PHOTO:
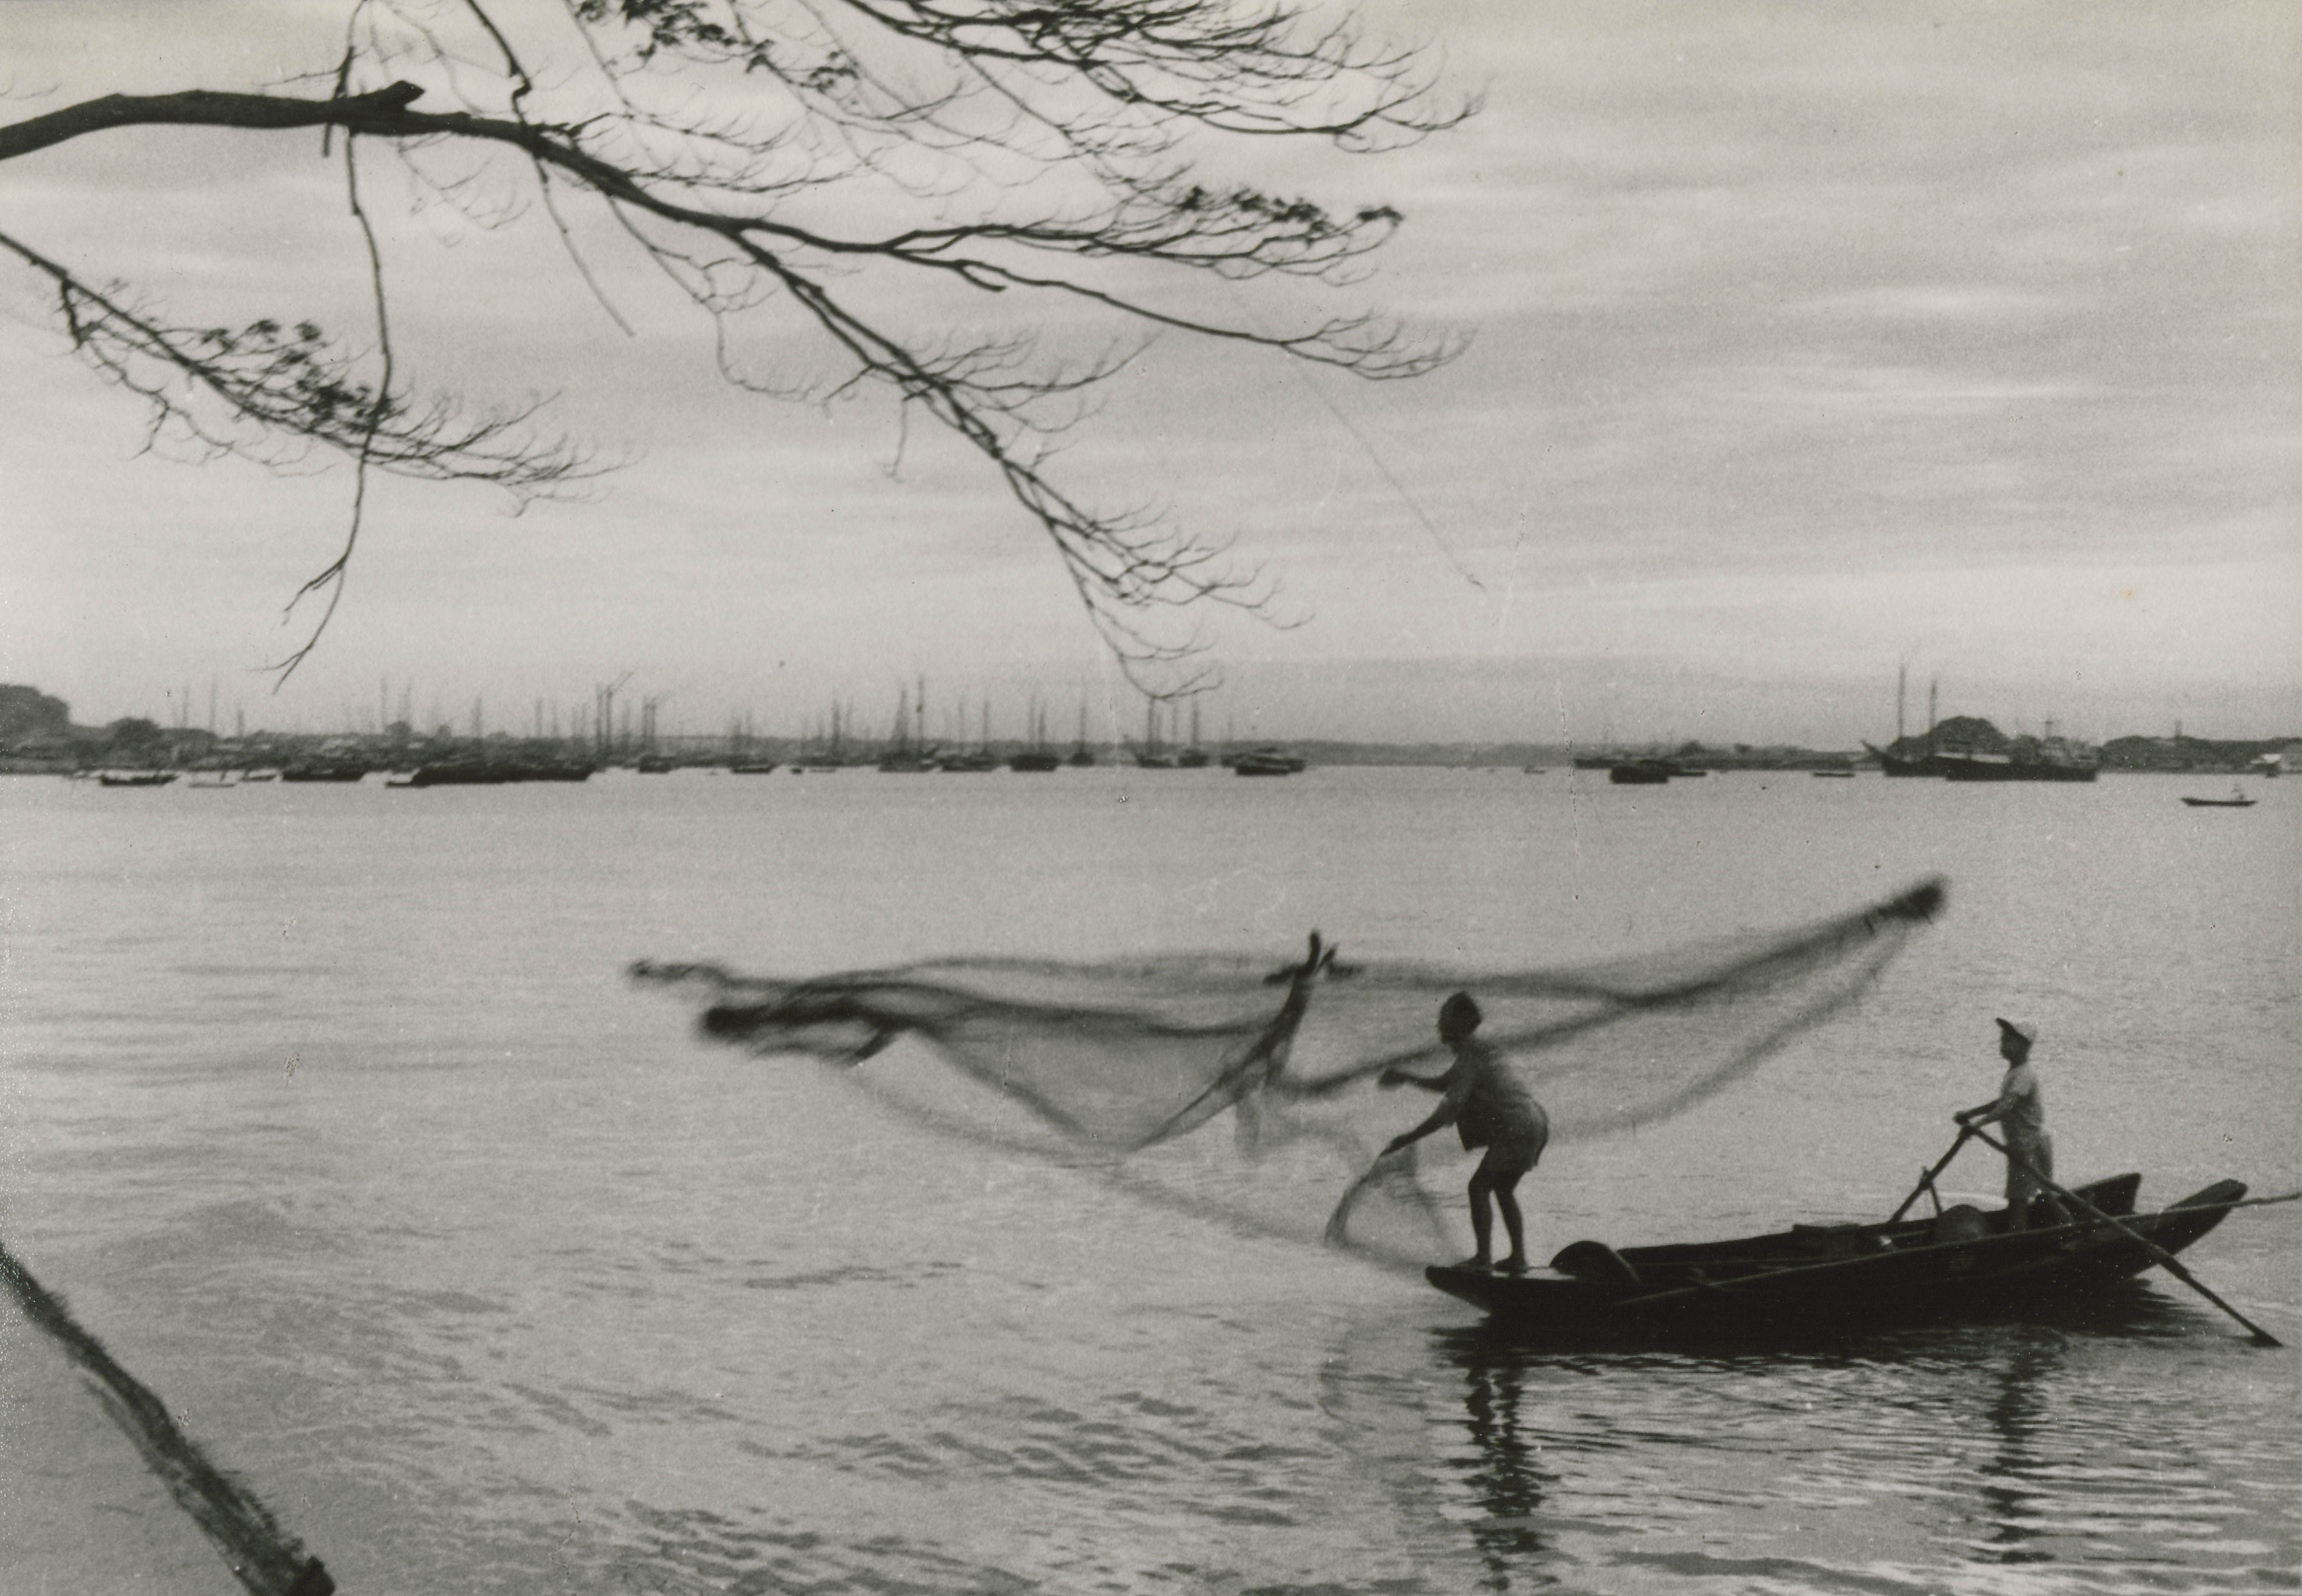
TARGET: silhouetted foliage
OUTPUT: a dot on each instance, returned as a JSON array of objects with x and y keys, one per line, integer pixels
[{"x": 28, "y": 712}]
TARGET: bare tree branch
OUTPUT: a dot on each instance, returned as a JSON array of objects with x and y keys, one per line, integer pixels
[{"x": 784, "y": 157}]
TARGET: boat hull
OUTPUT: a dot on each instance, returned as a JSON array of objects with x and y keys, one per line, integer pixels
[
  {"x": 1264, "y": 762},
  {"x": 2010, "y": 769},
  {"x": 1924, "y": 1270}
]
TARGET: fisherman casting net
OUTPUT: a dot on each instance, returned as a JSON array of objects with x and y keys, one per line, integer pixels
[{"x": 1128, "y": 1066}]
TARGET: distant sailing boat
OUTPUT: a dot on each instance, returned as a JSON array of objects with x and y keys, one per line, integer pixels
[
  {"x": 1082, "y": 756},
  {"x": 1148, "y": 756},
  {"x": 1193, "y": 758},
  {"x": 1039, "y": 756},
  {"x": 1898, "y": 760},
  {"x": 828, "y": 754},
  {"x": 970, "y": 761},
  {"x": 906, "y": 754}
]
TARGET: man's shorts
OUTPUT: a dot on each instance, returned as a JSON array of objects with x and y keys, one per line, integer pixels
[
  {"x": 2021, "y": 1184},
  {"x": 1516, "y": 1154}
]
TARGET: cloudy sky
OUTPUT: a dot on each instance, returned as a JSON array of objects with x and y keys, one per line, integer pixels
[{"x": 1807, "y": 342}]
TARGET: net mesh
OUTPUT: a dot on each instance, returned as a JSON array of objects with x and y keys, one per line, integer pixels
[{"x": 1124, "y": 1066}]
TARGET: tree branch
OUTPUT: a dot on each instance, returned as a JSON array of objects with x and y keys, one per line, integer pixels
[
  {"x": 1054, "y": 125},
  {"x": 203, "y": 107}
]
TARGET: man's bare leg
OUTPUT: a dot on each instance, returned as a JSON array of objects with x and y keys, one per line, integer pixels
[
  {"x": 1483, "y": 1226},
  {"x": 1507, "y": 1199}
]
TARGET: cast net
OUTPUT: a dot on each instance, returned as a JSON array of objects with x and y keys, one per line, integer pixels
[{"x": 1129, "y": 1067}]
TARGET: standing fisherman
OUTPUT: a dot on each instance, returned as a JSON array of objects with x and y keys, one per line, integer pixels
[
  {"x": 2022, "y": 1110},
  {"x": 1492, "y": 1109}
]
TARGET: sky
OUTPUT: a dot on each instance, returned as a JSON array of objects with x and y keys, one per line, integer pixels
[{"x": 1808, "y": 344}]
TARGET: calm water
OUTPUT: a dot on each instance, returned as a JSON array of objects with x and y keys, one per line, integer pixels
[{"x": 329, "y": 1110}]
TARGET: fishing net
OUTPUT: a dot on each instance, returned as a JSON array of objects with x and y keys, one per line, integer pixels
[{"x": 1126, "y": 1066}]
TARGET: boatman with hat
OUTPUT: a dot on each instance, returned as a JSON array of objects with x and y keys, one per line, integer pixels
[{"x": 2019, "y": 1111}]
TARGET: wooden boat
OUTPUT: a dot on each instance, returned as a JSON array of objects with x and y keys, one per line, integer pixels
[
  {"x": 153, "y": 778},
  {"x": 1639, "y": 773},
  {"x": 1938, "y": 1267},
  {"x": 2237, "y": 800}
]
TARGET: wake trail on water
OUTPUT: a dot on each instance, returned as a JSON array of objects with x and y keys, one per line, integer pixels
[{"x": 1123, "y": 1067}]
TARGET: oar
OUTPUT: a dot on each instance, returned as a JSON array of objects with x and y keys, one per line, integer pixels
[
  {"x": 2262, "y": 1337},
  {"x": 1927, "y": 1180}
]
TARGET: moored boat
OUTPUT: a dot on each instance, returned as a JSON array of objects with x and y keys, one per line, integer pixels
[
  {"x": 1192, "y": 756},
  {"x": 1639, "y": 773},
  {"x": 1899, "y": 758},
  {"x": 1960, "y": 1261},
  {"x": 454, "y": 773},
  {"x": 1266, "y": 762},
  {"x": 147, "y": 778},
  {"x": 2237, "y": 800},
  {"x": 1040, "y": 757}
]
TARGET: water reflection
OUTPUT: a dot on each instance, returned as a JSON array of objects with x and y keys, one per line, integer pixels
[
  {"x": 2013, "y": 1473},
  {"x": 1503, "y": 1471},
  {"x": 1929, "y": 1449}
]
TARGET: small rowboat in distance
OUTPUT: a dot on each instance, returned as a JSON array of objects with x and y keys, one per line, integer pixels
[
  {"x": 2237, "y": 800},
  {"x": 1960, "y": 1262}
]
